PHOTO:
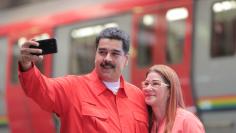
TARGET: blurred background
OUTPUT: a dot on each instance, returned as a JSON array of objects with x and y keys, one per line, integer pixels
[{"x": 197, "y": 38}]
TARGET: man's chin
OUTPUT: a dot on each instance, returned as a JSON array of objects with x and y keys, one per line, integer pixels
[
  {"x": 106, "y": 77},
  {"x": 106, "y": 70}
]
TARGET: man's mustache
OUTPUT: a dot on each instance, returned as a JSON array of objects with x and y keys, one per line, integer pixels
[{"x": 106, "y": 64}]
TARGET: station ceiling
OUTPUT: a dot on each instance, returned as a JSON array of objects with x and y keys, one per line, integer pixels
[{"x": 6, "y": 4}]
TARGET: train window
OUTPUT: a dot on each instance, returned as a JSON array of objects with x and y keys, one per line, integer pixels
[
  {"x": 176, "y": 25},
  {"x": 146, "y": 39},
  {"x": 14, "y": 65},
  {"x": 223, "y": 41},
  {"x": 82, "y": 51},
  {"x": 82, "y": 55},
  {"x": 3, "y": 62}
]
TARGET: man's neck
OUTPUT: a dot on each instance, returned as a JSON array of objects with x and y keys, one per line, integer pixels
[{"x": 113, "y": 86}]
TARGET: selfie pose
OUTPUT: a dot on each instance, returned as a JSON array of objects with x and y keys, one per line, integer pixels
[
  {"x": 98, "y": 102},
  {"x": 164, "y": 98}
]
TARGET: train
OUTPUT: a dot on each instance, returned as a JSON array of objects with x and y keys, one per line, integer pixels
[{"x": 197, "y": 38}]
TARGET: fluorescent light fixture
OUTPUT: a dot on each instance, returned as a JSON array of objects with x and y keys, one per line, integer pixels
[
  {"x": 21, "y": 41},
  {"x": 177, "y": 14},
  {"x": 91, "y": 30},
  {"x": 148, "y": 20},
  {"x": 224, "y": 6}
]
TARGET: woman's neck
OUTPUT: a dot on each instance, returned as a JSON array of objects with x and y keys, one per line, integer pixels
[{"x": 159, "y": 112}]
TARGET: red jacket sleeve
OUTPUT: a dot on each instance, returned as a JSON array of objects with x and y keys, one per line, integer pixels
[{"x": 50, "y": 94}]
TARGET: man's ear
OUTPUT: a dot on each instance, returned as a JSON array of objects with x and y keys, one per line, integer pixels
[{"x": 127, "y": 60}]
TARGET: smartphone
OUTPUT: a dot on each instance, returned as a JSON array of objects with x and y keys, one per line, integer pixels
[{"x": 48, "y": 46}]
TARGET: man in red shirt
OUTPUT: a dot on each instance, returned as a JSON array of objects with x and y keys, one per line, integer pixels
[{"x": 99, "y": 102}]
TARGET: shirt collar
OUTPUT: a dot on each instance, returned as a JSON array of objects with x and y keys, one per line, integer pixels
[{"x": 99, "y": 86}]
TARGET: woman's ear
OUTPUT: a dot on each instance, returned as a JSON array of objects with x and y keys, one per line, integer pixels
[{"x": 168, "y": 93}]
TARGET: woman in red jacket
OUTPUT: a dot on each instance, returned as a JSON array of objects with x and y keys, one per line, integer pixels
[{"x": 164, "y": 98}]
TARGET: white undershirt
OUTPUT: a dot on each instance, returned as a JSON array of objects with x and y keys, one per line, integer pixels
[{"x": 113, "y": 86}]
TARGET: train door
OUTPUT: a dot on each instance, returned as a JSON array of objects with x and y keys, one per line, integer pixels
[
  {"x": 25, "y": 116},
  {"x": 76, "y": 44},
  {"x": 162, "y": 35},
  {"x": 4, "y": 127},
  {"x": 214, "y": 63}
]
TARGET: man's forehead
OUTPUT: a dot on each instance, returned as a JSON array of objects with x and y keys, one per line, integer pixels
[
  {"x": 110, "y": 44},
  {"x": 110, "y": 41}
]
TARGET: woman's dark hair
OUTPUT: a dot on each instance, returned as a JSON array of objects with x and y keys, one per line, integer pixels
[{"x": 150, "y": 118}]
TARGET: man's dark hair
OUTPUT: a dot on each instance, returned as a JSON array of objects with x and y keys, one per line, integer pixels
[{"x": 117, "y": 34}]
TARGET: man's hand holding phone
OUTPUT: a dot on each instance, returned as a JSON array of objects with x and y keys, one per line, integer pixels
[{"x": 33, "y": 51}]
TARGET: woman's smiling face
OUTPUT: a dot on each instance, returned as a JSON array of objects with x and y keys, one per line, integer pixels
[{"x": 155, "y": 89}]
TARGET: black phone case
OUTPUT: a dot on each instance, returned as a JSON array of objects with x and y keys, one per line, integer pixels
[{"x": 48, "y": 46}]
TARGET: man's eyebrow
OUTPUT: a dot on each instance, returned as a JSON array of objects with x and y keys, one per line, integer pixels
[
  {"x": 115, "y": 50},
  {"x": 102, "y": 49}
]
